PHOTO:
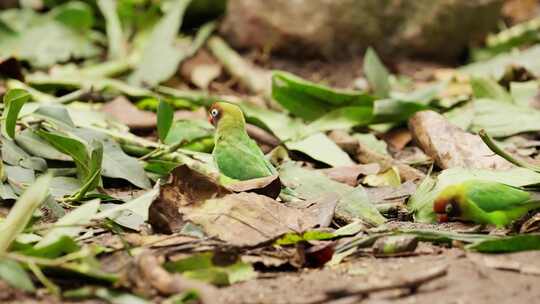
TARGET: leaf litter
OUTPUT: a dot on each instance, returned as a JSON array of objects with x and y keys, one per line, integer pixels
[{"x": 358, "y": 170}]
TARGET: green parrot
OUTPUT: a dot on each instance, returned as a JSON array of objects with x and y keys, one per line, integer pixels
[
  {"x": 484, "y": 202},
  {"x": 236, "y": 155}
]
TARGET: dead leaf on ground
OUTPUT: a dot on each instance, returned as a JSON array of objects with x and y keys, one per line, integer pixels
[
  {"x": 201, "y": 69},
  {"x": 187, "y": 187},
  {"x": 148, "y": 277},
  {"x": 365, "y": 155},
  {"x": 127, "y": 113},
  {"x": 398, "y": 138},
  {"x": 248, "y": 219},
  {"x": 269, "y": 186},
  {"x": 450, "y": 146},
  {"x": 349, "y": 174},
  {"x": 389, "y": 194}
]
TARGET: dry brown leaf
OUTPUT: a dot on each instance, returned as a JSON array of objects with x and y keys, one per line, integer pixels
[
  {"x": 398, "y": 138},
  {"x": 187, "y": 187},
  {"x": 147, "y": 276},
  {"x": 201, "y": 69},
  {"x": 349, "y": 174},
  {"x": 248, "y": 219},
  {"x": 450, "y": 146},
  {"x": 127, "y": 113}
]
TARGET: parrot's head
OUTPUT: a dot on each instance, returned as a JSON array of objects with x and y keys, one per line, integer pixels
[
  {"x": 228, "y": 113},
  {"x": 447, "y": 205}
]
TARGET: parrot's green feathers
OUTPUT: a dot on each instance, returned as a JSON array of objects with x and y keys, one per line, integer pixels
[
  {"x": 484, "y": 202},
  {"x": 236, "y": 155},
  {"x": 492, "y": 196}
]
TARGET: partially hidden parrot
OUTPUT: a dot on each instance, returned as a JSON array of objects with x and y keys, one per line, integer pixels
[
  {"x": 236, "y": 155},
  {"x": 484, "y": 202}
]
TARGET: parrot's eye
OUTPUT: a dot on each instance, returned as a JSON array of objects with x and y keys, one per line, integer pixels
[
  {"x": 449, "y": 208},
  {"x": 214, "y": 112}
]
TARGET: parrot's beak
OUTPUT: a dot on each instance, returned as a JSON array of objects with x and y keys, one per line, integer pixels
[
  {"x": 442, "y": 218},
  {"x": 211, "y": 120}
]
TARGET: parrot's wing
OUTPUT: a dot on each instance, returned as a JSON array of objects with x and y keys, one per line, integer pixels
[
  {"x": 491, "y": 196},
  {"x": 253, "y": 146},
  {"x": 240, "y": 161}
]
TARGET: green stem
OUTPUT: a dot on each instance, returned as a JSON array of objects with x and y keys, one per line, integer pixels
[{"x": 502, "y": 153}]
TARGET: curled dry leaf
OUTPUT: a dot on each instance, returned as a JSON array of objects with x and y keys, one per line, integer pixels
[
  {"x": 450, "y": 146},
  {"x": 349, "y": 174}
]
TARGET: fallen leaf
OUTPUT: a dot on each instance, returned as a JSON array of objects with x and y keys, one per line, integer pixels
[
  {"x": 201, "y": 69},
  {"x": 127, "y": 113},
  {"x": 187, "y": 187},
  {"x": 450, "y": 146},
  {"x": 247, "y": 219},
  {"x": 331, "y": 154},
  {"x": 350, "y": 174}
]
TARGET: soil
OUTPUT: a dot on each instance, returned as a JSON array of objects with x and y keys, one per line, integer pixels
[{"x": 467, "y": 281}]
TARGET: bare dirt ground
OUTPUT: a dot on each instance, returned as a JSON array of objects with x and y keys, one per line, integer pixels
[{"x": 468, "y": 280}]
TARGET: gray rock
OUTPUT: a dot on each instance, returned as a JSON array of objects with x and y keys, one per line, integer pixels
[{"x": 438, "y": 29}]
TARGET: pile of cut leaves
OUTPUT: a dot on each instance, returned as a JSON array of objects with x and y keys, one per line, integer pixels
[{"x": 109, "y": 189}]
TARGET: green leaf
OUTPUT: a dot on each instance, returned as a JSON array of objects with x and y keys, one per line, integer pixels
[
  {"x": 70, "y": 146},
  {"x": 523, "y": 93},
  {"x": 161, "y": 55},
  {"x": 14, "y": 274},
  {"x": 14, "y": 100},
  {"x": 22, "y": 211},
  {"x": 311, "y": 185},
  {"x": 76, "y": 219},
  {"x": 93, "y": 178},
  {"x": 19, "y": 178},
  {"x": 116, "y": 163},
  {"x": 116, "y": 40},
  {"x": 497, "y": 66},
  {"x": 376, "y": 74},
  {"x": 309, "y": 100},
  {"x": 501, "y": 119},
  {"x": 280, "y": 124},
  {"x": 75, "y": 15},
  {"x": 15, "y": 156},
  {"x": 165, "y": 116},
  {"x": 490, "y": 89},
  {"x": 507, "y": 244},
  {"x": 133, "y": 213},
  {"x": 187, "y": 131},
  {"x": 313, "y": 235},
  {"x": 42, "y": 40},
  {"x": 201, "y": 267},
  {"x": 319, "y": 147},
  {"x": 29, "y": 141},
  {"x": 395, "y": 111},
  {"x": 106, "y": 294},
  {"x": 60, "y": 246},
  {"x": 343, "y": 118}
]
